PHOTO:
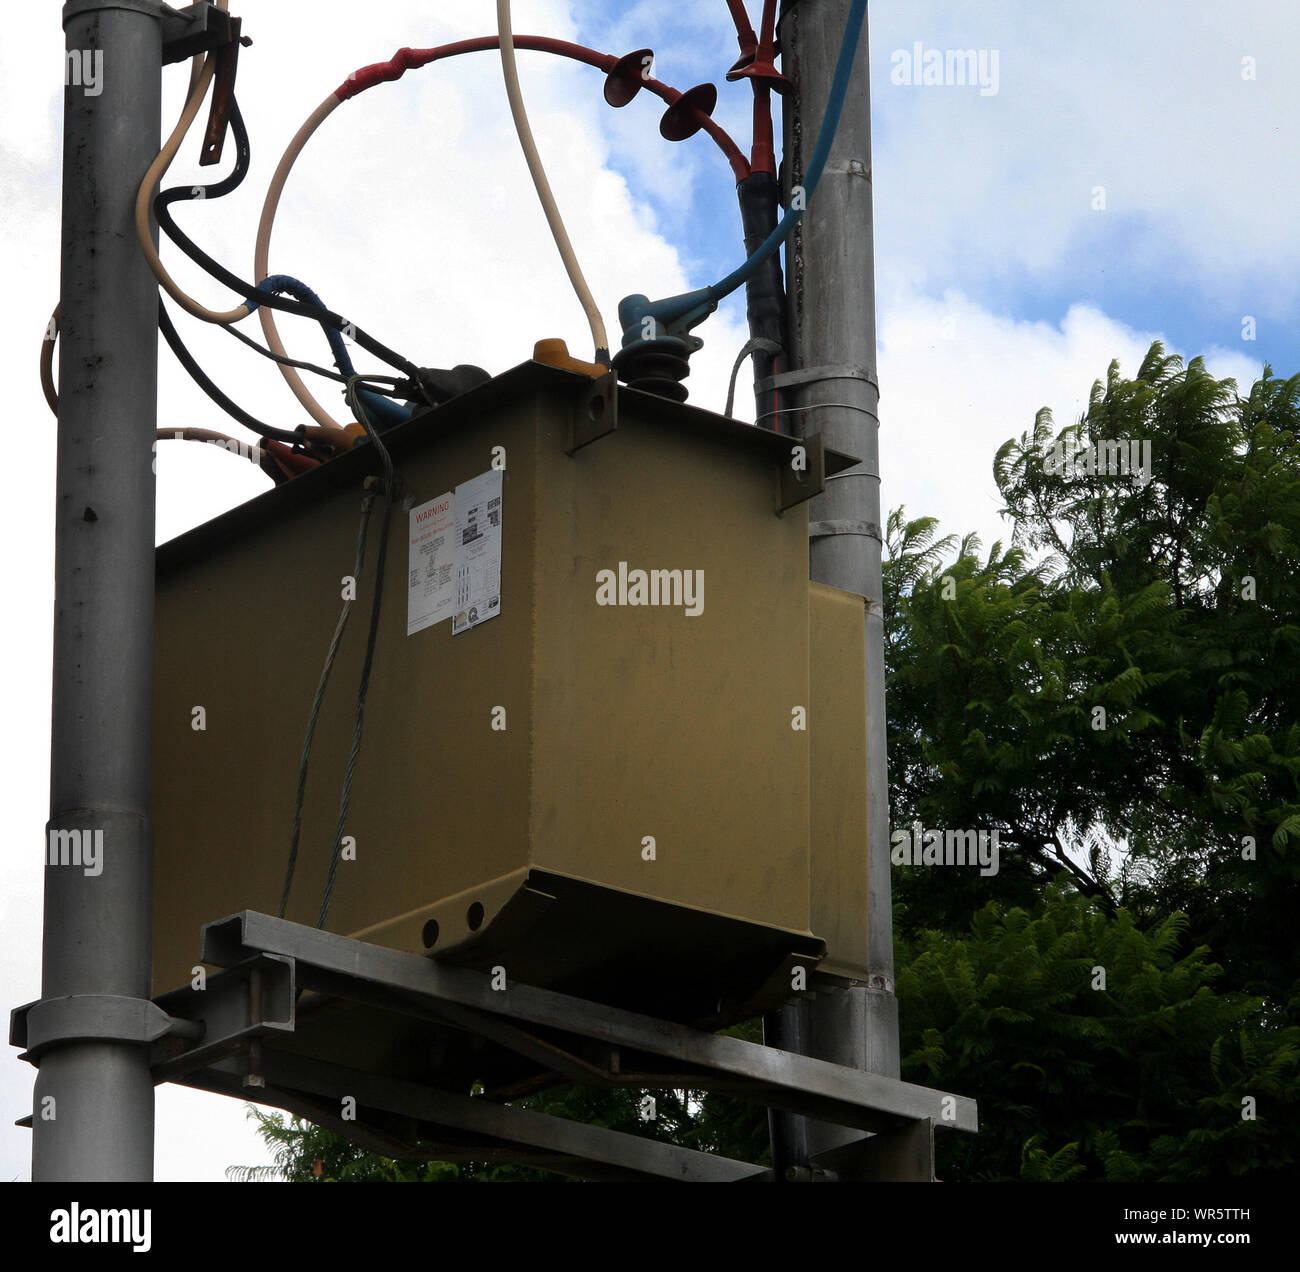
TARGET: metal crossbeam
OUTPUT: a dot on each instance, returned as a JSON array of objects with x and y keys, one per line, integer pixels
[
  {"x": 551, "y": 1143},
  {"x": 373, "y": 974}
]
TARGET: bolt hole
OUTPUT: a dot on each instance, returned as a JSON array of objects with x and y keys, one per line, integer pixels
[
  {"x": 474, "y": 916},
  {"x": 595, "y": 407},
  {"x": 430, "y": 934}
]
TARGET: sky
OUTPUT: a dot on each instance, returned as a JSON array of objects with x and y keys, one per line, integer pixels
[{"x": 1133, "y": 177}]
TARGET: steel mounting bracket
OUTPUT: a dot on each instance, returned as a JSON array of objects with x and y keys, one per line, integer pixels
[
  {"x": 595, "y": 413},
  {"x": 803, "y": 472}
]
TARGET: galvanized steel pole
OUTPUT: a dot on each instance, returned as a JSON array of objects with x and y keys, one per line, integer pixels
[
  {"x": 831, "y": 286},
  {"x": 93, "y": 1108}
]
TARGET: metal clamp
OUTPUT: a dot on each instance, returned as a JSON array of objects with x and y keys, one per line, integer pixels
[
  {"x": 815, "y": 375},
  {"x": 824, "y": 529},
  {"x": 76, "y": 8},
  {"x": 198, "y": 29},
  {"x": 50, "y": 1022},
  {"x": 185, "y": 32}
]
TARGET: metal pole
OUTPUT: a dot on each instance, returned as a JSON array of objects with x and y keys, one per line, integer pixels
[
  {"x": 93, "y": 1108},
  {"x": 831, "y": 286}
]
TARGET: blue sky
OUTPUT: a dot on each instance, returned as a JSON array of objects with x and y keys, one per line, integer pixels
[{"x": 1000, "y": 288}]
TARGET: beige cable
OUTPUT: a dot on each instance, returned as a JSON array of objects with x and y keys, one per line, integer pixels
[
  {"x": 200, "y": 78},
  {"x": 144, "y": 198},
  {"x": 47, "y": 361},
  {"x": 553, "y": 218},
  {"x": 261, "y": 253}
]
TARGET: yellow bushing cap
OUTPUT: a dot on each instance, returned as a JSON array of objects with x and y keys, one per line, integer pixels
[{"x": 556, "y": 353}]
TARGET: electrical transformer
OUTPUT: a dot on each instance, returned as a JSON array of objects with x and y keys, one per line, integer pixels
[{"x": 613, "y": 742}]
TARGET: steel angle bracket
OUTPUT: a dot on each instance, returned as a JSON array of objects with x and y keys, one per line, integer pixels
[
  {"x": 234, "y": 1009},
  {"x": 803, "y": 472},
  {"x": 196, "y": 29},
  {"x": 185, "y": 32},
  {"x": 595, "y": 413},
  {"x": 799, "y": 1084}
]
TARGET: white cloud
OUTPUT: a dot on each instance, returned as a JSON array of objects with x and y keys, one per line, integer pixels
[
  {"x": 957, "y": 381},
  {"x": 1201, "y": 167}
]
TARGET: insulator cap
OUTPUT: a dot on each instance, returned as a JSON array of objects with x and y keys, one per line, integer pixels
[
  {"x": 628, "y": 76},
  {"x": 684, "y": 118}
]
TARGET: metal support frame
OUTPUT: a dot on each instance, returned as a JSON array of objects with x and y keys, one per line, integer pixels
[{"x": 234, "y": 1051}]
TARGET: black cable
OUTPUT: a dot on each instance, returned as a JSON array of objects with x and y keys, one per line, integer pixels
[
  {"x": 390, "y": 479},
  {"x": 199, "y": 376},
  {"x": 311, "y": 366},
  {"x": 253, "y": 295},
  {"x": 275, "y": 357},
  {"x": 367, "y": 503}
]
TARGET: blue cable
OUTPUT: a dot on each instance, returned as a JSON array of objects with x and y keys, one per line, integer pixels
[{"x": 283, "y": 285}]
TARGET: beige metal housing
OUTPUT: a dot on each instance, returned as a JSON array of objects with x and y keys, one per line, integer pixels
[{"x": 651, "y": 827}]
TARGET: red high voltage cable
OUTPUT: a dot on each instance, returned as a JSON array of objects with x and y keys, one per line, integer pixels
[{"x": 411, "y": 59}]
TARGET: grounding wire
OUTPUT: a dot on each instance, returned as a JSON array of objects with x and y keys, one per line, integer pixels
[
  {"x": 390, "y": 479},
  {"x": 367, "y": 503},
  {"x": 756, "y": 344}
]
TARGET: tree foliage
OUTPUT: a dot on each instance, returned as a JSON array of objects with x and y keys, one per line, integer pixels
[
  {"x": 1173, "y": 605},
  {"x": 1098, "y": 1049}
]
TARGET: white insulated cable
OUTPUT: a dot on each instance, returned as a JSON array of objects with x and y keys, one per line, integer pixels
[{"x": 511, "y": 71}]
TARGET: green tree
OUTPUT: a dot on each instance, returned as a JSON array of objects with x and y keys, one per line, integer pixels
[{"x": 1098, "y": 1050}]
